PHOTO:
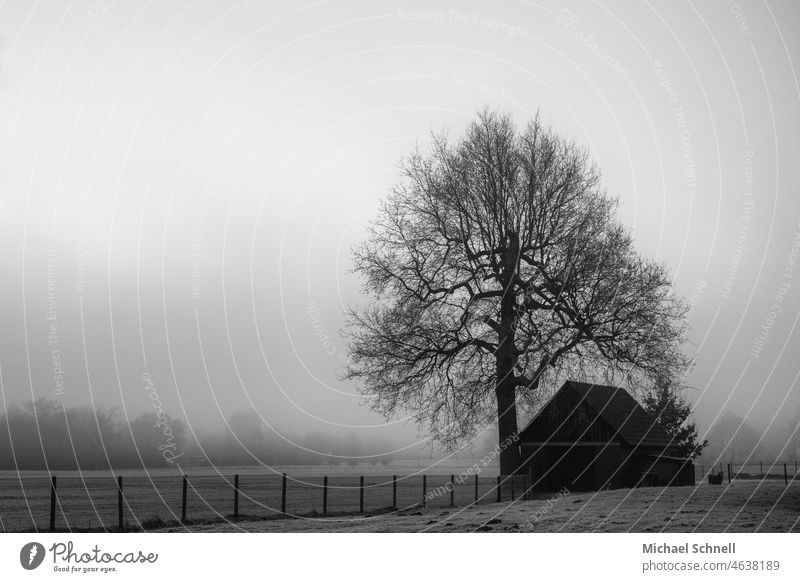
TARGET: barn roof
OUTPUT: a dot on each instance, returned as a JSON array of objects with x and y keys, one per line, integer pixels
[{"x": 631, "y": 423}]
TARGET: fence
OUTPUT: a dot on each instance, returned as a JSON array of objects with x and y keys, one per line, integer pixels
[
  {"x": 68, "y": 502},
  {"x": 144, "y": 502},
  {"x": 763, "y": 470}
]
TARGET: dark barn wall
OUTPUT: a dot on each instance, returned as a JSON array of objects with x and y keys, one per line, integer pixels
[
  {"x": 667, "y": 471},
  {"x": 573, "y": 468},
  {"x": 610, "y": 468},
  {"x": 579, "y": 468},
  {"x": 589, "y": 468},
  {"x": 566, "y": 419},
  {"x": 686, "y": 476},
  {"x": 588, "y": 447},
  {"x": 535, "y": 463},
  {"x": 681, "y": 473}
]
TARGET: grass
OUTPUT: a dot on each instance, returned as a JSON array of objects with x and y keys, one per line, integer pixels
[
  {"x": 90, "y": 503},
  {"x": 153, "y": 503},
  {"x": 744, "y": 506}
]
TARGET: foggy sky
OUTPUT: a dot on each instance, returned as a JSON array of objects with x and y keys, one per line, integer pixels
[{"x": 180, "y": 183}]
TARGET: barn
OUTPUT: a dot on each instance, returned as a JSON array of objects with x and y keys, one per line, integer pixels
[{"x": 589, "y": 437}]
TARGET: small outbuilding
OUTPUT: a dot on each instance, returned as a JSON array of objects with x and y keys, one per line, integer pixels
[{"x": 590, "y": 437}]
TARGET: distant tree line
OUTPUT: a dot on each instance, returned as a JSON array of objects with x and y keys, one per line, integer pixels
[
  {"x": 45, "y": 434},
  {"x": 740, "y": 440},
  {"x": 248, "y": 440}
]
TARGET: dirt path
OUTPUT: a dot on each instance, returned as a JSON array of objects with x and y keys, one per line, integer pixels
[{"x": 740, "y": 507}]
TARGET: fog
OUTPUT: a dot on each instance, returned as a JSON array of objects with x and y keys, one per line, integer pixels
[
  {"x": 46, "y": 435},
  {"x": 180, "y": 185}
]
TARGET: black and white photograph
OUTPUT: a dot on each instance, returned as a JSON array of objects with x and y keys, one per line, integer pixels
[{"x": 449, "y": 267}]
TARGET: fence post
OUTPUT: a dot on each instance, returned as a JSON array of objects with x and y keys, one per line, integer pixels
[
  {"x": 761, "y": 469},
  {"x": 53, "y": 503},
  {"x": 476, "y": 488},
  {"x": 236, "y": 496},
  {"x": 283, "y": 494},
  {"x": 499, "y": 497},
  {"x": 452, "y": 491},
  {"x": 183, "y": 500},
  {"x": 424, "y": 489},
  {"x": 394, "y": 491},
  {"x": 512, "y": 487},
  {"x": 785, "y": 475},
  {"x": 325, "y": 495},
  {"x": 729, "y": 473},
  {"x": 525, "y": 487},
  {"x": 361, "y": 494},
  {"x": 120, "y": 516}
]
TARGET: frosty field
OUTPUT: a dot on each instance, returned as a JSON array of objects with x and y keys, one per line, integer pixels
[
  {"x": 152, "y": 499},
  {"x": 745, "y": 506}
]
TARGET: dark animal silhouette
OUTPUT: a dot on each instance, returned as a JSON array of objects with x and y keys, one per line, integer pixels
[{"x": 715, "y": 478}]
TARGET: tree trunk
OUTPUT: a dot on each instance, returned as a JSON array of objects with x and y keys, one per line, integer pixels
[
  {"x": 506, "y": 381},
  {"x": 507, "y": 428}
]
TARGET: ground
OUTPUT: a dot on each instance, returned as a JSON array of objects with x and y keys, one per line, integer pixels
[{"x": 744, "y": 506}]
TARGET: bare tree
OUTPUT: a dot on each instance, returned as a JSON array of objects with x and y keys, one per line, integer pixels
[{"x": 498, "y": 264}]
